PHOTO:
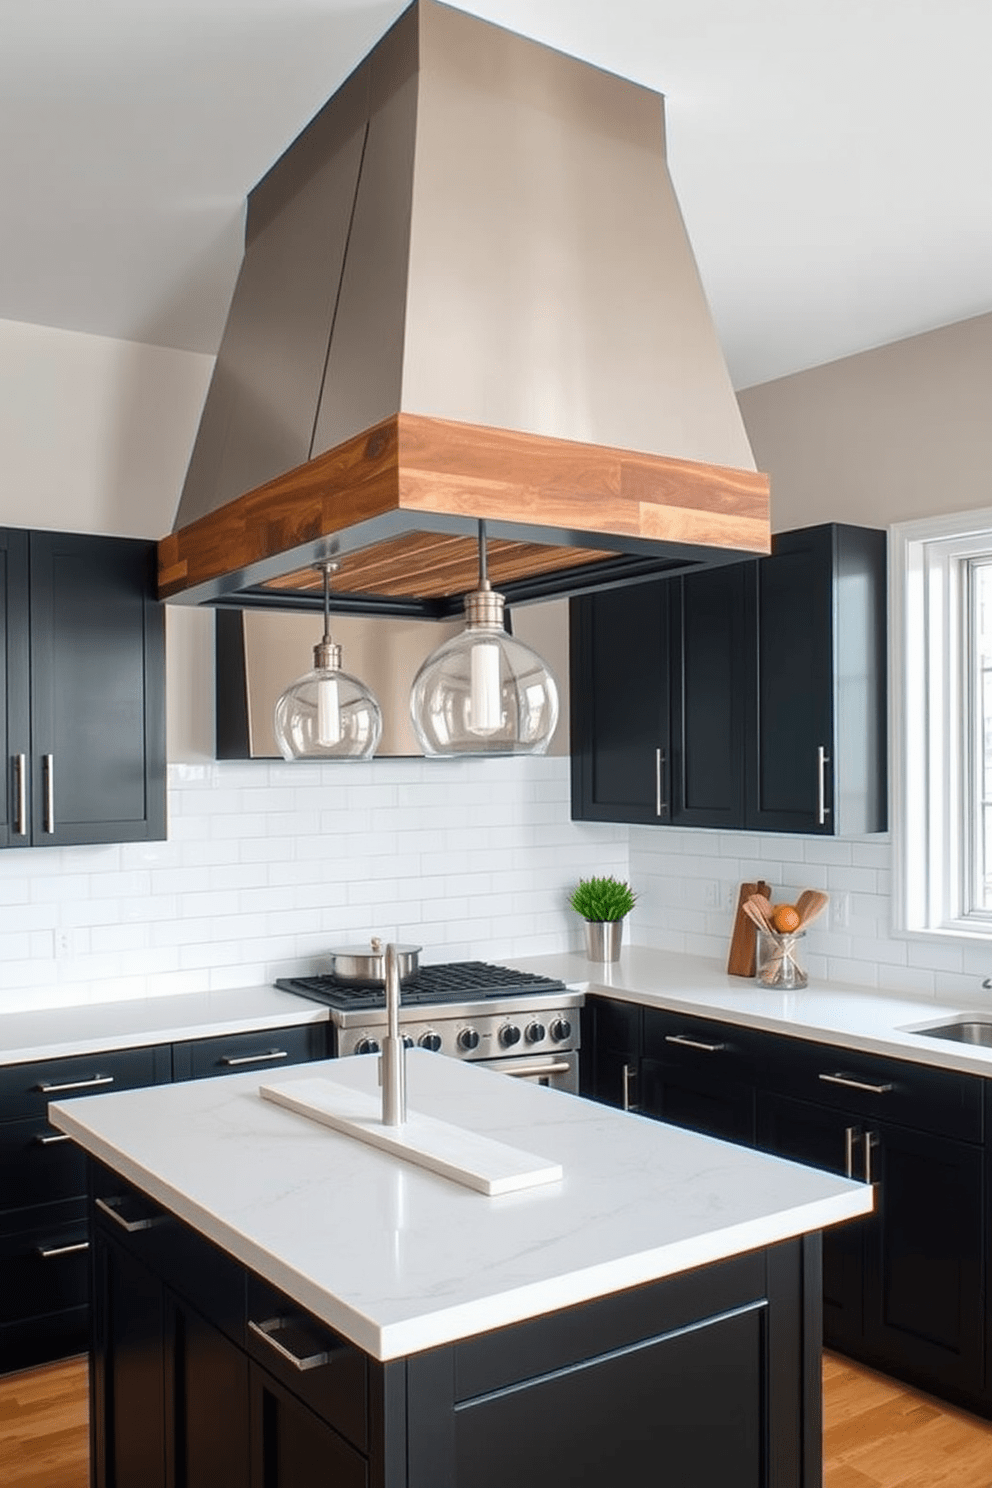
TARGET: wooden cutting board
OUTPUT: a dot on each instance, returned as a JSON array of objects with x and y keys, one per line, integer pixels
[{"x": 744, "y": 941}]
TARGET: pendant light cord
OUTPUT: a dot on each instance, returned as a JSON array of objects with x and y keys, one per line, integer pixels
[{"x": 483, "y": 560}]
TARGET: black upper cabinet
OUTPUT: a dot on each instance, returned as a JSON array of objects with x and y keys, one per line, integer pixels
[
  {"x": 84, "y": 664},
  {"x": 816, "y": 709},
  {"x": 657, "y": 707},
  {"x": 620, "y": 650},
  {"x": 750, "y": 695}
]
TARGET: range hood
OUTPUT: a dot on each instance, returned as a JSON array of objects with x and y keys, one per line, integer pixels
[{"x": 467, "y": 293}]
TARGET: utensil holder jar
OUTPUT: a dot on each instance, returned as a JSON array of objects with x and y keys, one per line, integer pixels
[{"x": 778, "y": 960}]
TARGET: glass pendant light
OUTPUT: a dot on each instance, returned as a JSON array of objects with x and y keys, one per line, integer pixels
[
  {"x": 483, "y": 692},
  {"x": 327, "y": 714}
]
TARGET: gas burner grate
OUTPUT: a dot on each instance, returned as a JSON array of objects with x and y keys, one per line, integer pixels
[{"x": 454, "y": 981}]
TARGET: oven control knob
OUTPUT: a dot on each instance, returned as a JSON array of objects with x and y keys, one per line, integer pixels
[
  {"x": 561, "y": 1029},
  {"x": 367, "y": 1046},
  {"x": 509, "y": 1035},
  {"x": 430, "y": 1041},
  {"x": 534, "y": 1032},
  {"x": 468, "y": 1040},
  {"x": 407, "y": 1041}
]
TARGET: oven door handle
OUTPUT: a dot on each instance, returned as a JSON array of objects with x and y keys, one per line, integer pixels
[{"x": 523, "y": 1071}]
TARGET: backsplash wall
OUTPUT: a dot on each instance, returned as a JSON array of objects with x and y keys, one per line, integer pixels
[
  {"x": 267, "y": 866},
  {"x": 689, "y": 882}
]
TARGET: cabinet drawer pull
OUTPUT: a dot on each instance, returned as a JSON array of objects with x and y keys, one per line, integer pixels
[
  {"x": 629, "y": 1080},
  {"x": 822, "y": 809},
  {"x": 91, "y": 1084},
  {"x": 21, "y": 795},
  {"x": 48, "y": 768},
  {"x": 850, "y": 1084},
  {"x": 52, "y": 1252},
  {"x": 660, "y": 806},
  {"x": 302, "y": 1362},
  {"x": 50, "y": 1139},
  {"x": 231, "y": 1061},
  {"x": 111, "y": 1207},
  {"x": 685, "y": 1042}
]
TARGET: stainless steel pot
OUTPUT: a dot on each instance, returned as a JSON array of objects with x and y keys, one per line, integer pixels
[{"x": 368, "y": 963}]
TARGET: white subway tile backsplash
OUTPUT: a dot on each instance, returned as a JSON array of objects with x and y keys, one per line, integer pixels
[{"x": 269, "y": 866}]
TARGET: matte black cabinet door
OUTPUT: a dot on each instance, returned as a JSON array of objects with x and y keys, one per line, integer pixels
[
  {"x": 816, "y": 727},
  {"x": 709, "y": 679},
  {"x": 832, "y": 1140},
  {"x": 292, "y": 1447},
  {"x": 611, "y": 1052},
  {"x": 14, "y": 688},
  {"x": 924, "y": 1309},
  {"x": 210, "y": 1439},
  {"x": 620, "y": 704},
  {"x": 97, "y": 691},
  {"x": 128, "y": 1371},
  {"x": 685, "y": 1409}
]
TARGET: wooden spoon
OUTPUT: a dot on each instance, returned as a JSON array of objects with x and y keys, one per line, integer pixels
[
  {"x": 762, "y": 906},
  {"x": 810, "y": 904},
  {"x": 754, "y": 914}
]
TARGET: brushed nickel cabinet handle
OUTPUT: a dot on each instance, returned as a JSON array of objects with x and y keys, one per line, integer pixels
[
  {"x": 232, "y": 1061},
  {"x": 660, "y": 806},
  {"x": 629, "y": 1081},
  {"x": 21, "y": 795},
  {"x": 851, "y": 1134},
  {"x": 871, "y": 1140},
  {"x": 302, "y": 1362},
  {"x": 48, "y": 766},
  {"x": 111, "y": 1207},
  {"x": 50, "y": 1140},
  {"x": 864, "y": 1085},
  {"x": 822, "y": 809},
  {"x": 91, "y": 1084},
  {"x": 685, "y": 1042},
  {"x": 50, "y": 1252}
]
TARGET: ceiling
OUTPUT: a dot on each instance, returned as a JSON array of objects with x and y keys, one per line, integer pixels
[{"x": 831, "y": 156}]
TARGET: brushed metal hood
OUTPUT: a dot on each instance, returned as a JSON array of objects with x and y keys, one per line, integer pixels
[{"x": 467, "y": 293}]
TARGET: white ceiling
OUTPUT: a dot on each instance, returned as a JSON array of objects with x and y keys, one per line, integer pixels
[{"x": 833, "y": 158}]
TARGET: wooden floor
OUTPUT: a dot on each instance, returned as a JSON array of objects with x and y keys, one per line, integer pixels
[{"x": 877, "y": 1433}]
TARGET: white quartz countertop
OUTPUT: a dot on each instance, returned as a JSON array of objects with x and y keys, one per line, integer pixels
[
  {"x": 398, "y": 1259},
  {"x": 51, "y": 1033},
  {"x": 829, "y": 1012}
]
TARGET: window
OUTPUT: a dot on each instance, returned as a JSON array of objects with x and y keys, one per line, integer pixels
[{"x": 942, "y": 698}]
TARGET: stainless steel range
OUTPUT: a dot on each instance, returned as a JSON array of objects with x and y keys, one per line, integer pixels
[{"x": 519, "y": 1023}]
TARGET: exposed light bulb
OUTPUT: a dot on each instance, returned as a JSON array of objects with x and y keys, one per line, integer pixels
[
  {"x": 485, "y": 711},
  {"x": 328, "y": 712}
]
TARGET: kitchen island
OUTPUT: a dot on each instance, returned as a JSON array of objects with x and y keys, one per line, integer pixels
[{"x": 657, "y": 1308}]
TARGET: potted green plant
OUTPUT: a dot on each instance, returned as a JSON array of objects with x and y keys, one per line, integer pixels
[{"x": 603, "y": 903}]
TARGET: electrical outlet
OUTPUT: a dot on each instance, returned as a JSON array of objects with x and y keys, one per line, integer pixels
[
  {"x": 711, "y": 894},
  {"x": 840, "y": 911},
  {"x": 63, "y": 943}
]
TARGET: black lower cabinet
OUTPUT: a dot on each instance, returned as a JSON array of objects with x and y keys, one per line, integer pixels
[
  {"x": 205, "y": 1377},
  {"x": 903, "y": 1288}
]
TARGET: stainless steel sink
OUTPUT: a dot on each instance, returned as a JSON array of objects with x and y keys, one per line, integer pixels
[{"x": 972, "y": 1031}]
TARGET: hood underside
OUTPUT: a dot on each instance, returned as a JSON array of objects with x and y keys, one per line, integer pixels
[{"x": 467, "y": 293}]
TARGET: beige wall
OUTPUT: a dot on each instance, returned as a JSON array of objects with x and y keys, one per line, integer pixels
[
  {"x": 900, "y": 432},
  {"x": 95, "y": 436}
]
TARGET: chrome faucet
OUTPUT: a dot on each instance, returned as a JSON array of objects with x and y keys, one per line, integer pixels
[{"x": 393, "y": 1065}]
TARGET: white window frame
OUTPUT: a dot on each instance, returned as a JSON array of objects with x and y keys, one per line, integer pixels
[{"x": 931, "y": 756}]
